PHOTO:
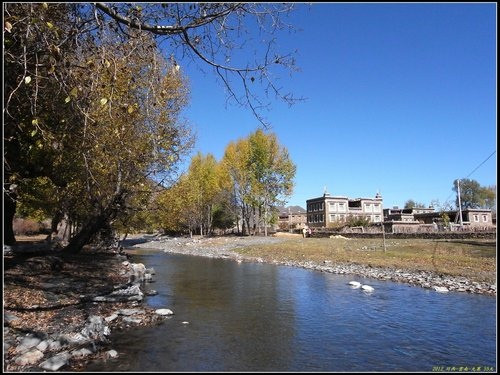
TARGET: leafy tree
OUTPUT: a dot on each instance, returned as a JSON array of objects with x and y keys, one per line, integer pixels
[
  {"x": 198, "y": 196},
  {"x": 72, "y": 103},
  {"x": 490, "y": 197},
  {"x": 446, "y": 219},
  {"x": 132, "y": 133},
  {"x": 38, "y": 199},
  {"x": 234, "y": 162},
  {"x": 473, "y": 195},
  {"x": 261, "y": 173},
  {"x": 272, "y": 171},
  {"x": 356, "y": 221},
  {"x": 174, "y": 208},
  {"x": 223, "y": 216},
  {"x": 204, "y": 181},
  {"x": 38, "y": 45},
  {"x": 113, "y": 123}
]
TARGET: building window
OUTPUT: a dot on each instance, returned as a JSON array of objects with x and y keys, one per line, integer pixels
[
  {"x": 341, "y": 207},
  {"x": 485, "y": 218},
  {"x": 476, "y": 218}
]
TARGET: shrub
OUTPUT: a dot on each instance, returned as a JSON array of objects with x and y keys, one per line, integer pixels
[{"x": 28, "y": 227}]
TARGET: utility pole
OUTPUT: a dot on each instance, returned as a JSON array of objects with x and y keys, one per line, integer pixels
[{"x": 459, "y": 203}]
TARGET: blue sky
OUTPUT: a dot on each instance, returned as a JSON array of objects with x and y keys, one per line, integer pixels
[{"x": 401, "y": 100}]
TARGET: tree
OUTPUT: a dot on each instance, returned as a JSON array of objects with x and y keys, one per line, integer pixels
[
  {"x": 234, "y": 162},
  {"x": 261, "y": 173},
  {"x": 272, "y": 171},
  {"x": 111, "y": 122},
  {"x": 66, "y": 82},
  {"x": 490, "y": 197},
  {"x": 38, "y": 41},
  {"x": 132, "y": 132},
  {"x": 473, "y": 195},
  {"x": 203, "y": 177},
  {"x": 410, "y": 203},
  {"x": 197, "y": 199}
]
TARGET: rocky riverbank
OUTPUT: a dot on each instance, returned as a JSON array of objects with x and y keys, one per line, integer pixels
[
  {"x": 58, "y": 312},
  {"x": 223, "y": 247}
]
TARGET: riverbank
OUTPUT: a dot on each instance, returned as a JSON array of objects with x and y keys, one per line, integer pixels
[
  {"x": 59, "y": 310},
  {"x": 442, "y": 265}
]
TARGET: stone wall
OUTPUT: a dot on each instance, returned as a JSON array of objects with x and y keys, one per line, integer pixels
[{"x": 433, "y": 235}]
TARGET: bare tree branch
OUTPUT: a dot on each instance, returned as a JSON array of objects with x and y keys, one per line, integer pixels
[{"x": 214, "y": 33}]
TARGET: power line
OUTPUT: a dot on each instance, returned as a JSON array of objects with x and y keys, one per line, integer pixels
[
  {"x": 485, "y": 160},
  {"x": 475, "y": 169}
]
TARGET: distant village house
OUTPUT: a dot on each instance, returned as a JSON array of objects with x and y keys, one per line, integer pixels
[
  {"x": 292, "y": 218},
  {"x": 327, "y": 210}
]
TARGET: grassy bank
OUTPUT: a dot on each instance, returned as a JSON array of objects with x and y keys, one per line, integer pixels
[{"x": 474, "y": 259}]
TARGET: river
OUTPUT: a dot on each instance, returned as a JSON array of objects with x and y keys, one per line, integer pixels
[{"x": 239, "y": 317}]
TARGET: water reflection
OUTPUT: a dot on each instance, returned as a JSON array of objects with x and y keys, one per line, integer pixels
[{"x": 260, "y": 317}]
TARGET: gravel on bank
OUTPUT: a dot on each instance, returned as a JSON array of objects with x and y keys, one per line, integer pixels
[
  {"x": 224, "y": 247},
  {"x": 59, "y": 311}
]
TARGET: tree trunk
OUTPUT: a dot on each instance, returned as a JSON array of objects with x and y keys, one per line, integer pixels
[
  {"x": 85, "y": 235},
  {"x": 9, "y": 211}
]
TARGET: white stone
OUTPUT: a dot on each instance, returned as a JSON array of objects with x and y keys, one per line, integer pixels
[
  {"x": 367, "y": 288},
  {"x": 441, "y": 289},
  {"x": 27, "y": 343},
  {"x": 56, "y": 362},
  {"x": 164, "y": 312},
  {"x": 355, "y": 284},
  {"x": 30, "y": 357},
  {"x": 43, "y": 345},
  {"x": 111, "y": 318},
  {"x": 112, "y": 353},
  {"x": 83, "y": 352}
]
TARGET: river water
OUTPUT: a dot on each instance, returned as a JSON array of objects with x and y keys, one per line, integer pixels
[{"x": 231, "y": 316}]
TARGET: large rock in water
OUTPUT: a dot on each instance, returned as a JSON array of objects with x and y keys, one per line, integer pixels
[
  {"x": 136, "y": 272},
  {"x": 132, "y": 293}
]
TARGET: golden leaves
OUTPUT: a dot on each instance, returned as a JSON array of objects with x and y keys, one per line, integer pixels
[{"x": 7, "y": 26}]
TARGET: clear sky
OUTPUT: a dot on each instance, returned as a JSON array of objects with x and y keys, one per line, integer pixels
[{"x": 401, "y": 100}]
